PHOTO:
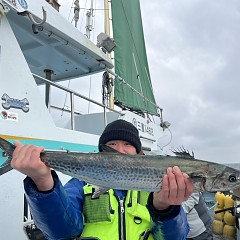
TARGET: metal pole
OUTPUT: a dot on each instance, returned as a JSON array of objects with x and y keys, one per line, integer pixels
[
  {"x": 72, "y": 111},
  {"x": 48, "y": 87},
  {"x": 89, "y": 20},
  {"x": 106, "y": 18},
  {"x": 107, "y": 31},
  {"x": 76, "y": 12}
]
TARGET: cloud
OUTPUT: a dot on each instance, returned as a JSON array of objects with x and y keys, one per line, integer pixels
[{"x": 193, "y": 53}]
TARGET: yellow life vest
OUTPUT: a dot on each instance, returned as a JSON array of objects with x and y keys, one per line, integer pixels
[{"x": 107, "y": 217}]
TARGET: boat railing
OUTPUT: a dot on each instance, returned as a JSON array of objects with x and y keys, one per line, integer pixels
[{"x": 73, "y": 94}]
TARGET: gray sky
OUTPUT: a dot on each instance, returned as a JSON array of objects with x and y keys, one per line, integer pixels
[
  {"x": 193, "y": 54},
  {"x": 193, "y": 51}
]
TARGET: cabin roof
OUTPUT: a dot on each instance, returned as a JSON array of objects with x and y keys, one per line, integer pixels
[{"x": 56, "y": 46}]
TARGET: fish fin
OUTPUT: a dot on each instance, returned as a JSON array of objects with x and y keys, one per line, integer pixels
[
  {"x": 99, "y": 191},
  {"x": 7, "y": 152},
  {"x": 108, "y": 149},
  {"x": 182, "y": 152}
]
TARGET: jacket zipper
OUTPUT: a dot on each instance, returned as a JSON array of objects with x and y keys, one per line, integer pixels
[{"x": 122, "y": 227}]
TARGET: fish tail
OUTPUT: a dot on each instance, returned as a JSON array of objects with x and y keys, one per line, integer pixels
[{"x": 6, "y": 156}]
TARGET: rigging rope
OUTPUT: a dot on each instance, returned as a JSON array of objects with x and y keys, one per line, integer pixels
[
  {"x": 70, "y": 10},
  {"x": 133, "y": 89}
]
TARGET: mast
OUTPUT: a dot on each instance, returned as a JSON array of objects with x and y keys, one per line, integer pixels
[
  {"x": 89, "y": 20},
  {"x": 107, "y": 32},
  {"x": 106, "y": 18}
]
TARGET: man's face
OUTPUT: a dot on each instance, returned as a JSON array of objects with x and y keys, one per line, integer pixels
[{"x": 122, "y": 147}]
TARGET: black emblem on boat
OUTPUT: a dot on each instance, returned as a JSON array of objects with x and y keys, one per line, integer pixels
[{"x": 15, "y": 103}]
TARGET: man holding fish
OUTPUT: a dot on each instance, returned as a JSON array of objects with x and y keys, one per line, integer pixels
[{"x": 72, "y": 211}]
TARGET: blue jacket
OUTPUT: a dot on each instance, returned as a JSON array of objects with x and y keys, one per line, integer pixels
[{"x": 58, "y": 213}]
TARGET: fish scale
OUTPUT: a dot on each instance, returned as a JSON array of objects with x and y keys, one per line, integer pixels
[{"x": 132, "y": 172}]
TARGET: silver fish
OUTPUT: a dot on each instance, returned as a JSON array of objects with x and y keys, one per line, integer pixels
[{"x": 132, "y": 172}]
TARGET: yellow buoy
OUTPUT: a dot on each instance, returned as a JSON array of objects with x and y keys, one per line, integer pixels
[
  {"x": 228, "y": 201},
  {"x": 219, "y": 216},
  {"x": 218, "y": 227},
  {"x": 229, "y": 218},
  {"x": 219, "y": 197},
  {"x": 229, "y": 231}
]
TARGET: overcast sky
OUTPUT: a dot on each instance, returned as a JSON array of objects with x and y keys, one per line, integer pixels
[{"x": 193, "y": 49}]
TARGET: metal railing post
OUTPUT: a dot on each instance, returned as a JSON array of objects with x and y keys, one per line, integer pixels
[{"x": 72, "y": 111}]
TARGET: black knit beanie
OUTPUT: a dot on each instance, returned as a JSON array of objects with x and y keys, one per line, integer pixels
[{"x": 120, "y": 130}]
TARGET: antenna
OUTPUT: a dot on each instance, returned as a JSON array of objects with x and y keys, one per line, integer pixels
[{"x": 164, "y": 124}]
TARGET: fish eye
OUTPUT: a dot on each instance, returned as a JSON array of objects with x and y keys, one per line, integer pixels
[{"x": 232, "y": 178}]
